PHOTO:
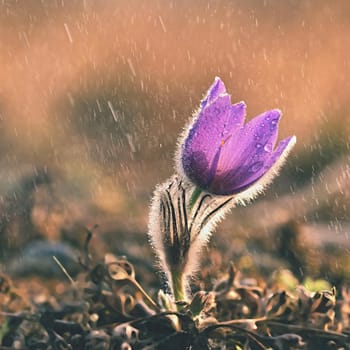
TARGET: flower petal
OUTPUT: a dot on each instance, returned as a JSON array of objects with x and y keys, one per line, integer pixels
[
  {"x": 221, "y": 155},
  {"x": 263, "y": 129},
  {"x": 252, "y": 144},
  {"x": 216, "y": 89},
  {"x": 215, "y": 123},
  {"x": 234, "y": 182}
]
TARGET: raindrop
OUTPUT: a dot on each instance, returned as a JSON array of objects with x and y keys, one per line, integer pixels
[
  {"x": 162, "y": 23},
  {"x": 268, "y": 147},
  {"x": 131, "y": 66},
  {"x": 256, "y": 136},
  {"x": 273, "y": 124},
  {"x": 69, "y": 35},
  {"x": 114, "y": 113},
  {"x": 255, "y": 167},
  {"x": 131, "y": 142}
]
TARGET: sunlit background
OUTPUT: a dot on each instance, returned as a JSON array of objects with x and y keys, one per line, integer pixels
[{"x": 96, "y": 92}]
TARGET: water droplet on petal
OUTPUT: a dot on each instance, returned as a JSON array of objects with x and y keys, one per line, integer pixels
[
  {"x": 268, "y": 147},
  {"x": 273, "y": 124},
  {"x": 255, "y": 167},
  {"x": 257, "y": 136}
]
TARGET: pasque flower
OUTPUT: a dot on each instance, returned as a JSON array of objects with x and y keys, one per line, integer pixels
[
  {"x": 222, "y": 155},
  {"x": 220, "y": 161}
]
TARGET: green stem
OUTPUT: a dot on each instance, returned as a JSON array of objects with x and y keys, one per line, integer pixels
[
  {"x": 195, "y": 195},
  {"x": 178, "y": 285}
]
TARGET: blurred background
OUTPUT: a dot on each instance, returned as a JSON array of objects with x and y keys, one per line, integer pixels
[{"x": 94, "y": 94}]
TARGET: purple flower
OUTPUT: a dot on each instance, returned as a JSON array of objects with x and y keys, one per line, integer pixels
[{"x": 224, "y": 156}]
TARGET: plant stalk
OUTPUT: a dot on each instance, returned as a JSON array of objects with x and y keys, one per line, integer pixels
[{"x": 179, "y": 285}]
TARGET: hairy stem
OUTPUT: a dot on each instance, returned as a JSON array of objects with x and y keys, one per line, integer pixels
[{"x": 179, "y": 285}]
